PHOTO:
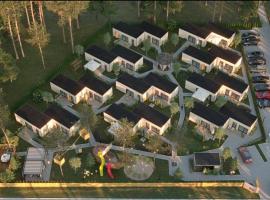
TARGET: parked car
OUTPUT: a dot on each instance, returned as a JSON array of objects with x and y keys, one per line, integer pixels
[
  {"x": 250, "y": 43},
  {"x": 263, "y": 95},
  {"x": 250, "y": 34},
  {"x": 245, "y": 155},
  {"x": 258, "y": 67},
  {"x": 256, "y": 70},
  {"x": 256, "y": 61},
  {"x": 255, "y": 54},
  {"x": 254, "y": 74},
  {"x": 251, "y": 38},
  {"x": 260, "y": 79},
  {"x": 263, "y": 103},
  {"x": 262, "y": 87},
  {"x": 259, "y": 59}
]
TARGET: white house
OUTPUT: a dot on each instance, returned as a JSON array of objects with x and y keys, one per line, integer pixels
[
  {"x": 136, "y": 34},
  {"x": 207, "y": 117},
  {"x": 151, "y": 86},
  {"x": 33, "y": 119},
  {"x": 201, "y": 60},
  {"x": 200, "y": 35},
  {"x": 143, "y": 117},
  {"x": 68, "y": 122},
  {"x": 227, "y": 60},
  {"x": 220, "y": 85},
  {"x": 68, "y": 88},
  {"x": 127, "y": 58},
  {"x": 105, "y": 58},
  {"x": 133, "y": 35},
  {"x": 96, "y": 89},
  {"x": 228, "y": 117}
]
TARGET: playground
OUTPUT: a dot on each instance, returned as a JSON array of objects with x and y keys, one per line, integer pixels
[{"x": 160, "y": 173}]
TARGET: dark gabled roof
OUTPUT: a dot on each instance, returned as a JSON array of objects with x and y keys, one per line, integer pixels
[
  {"x": 219, "y": 30},
  {"x": 204, "y": 82},
  {"x": 126, "y": 54},
  {"x": 150, "y": 114},
  {"x": 209, "y": 114},
  {"x": 94, "y": 84},
  {"x": 67, "y": 84},
  {"x": 238, "y": 114},
  {"x": 225, "y": 54},
  {"x": 159, "y": 82},
  {"x": 134, "y": 83},
  {"x": 134, "y": 31},
  {"x": 206, "y": 159},
  {"x": 62, "y": 116},
  {"x": 230, "y": 82},
  {"x": 101, "y": 53},
  {"x": 33, "y": 116},
  {"x": 118, "y": 112},
  {"x": 195, "y": 30},
  {"x": 199, "y": 54},
  {"x": 153, "y": 30}
]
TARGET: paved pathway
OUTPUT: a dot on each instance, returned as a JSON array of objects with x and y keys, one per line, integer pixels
[{"x": 177, "y": 53}]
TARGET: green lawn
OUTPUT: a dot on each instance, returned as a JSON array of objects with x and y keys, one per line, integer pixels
[
  {"x": 189, "y": 141},
  {"x": 149, "y": 193},
  {"x": 160, "y": 173},
  {"x": 170, "y": 48}
]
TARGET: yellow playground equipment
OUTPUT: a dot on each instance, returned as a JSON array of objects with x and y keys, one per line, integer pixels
[{"x": 101, "y": 155}]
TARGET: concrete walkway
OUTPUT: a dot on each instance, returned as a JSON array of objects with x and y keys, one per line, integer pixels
[{"x": 177, "y": 53}]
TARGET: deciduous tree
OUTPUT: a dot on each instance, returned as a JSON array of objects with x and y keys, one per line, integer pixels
[
  {"x": 116, "y": 69},
  {"x": 174, "y": 108},
  {"x": 4, "y": 116},
  {"x": 174, "y": 39},
  {"x": 75, "y": 163},
  {"x": 88, "y": 117},
  {"x": 107, "y": 38},
  {"x": 9, "y": 70},
  {"x": 226, "y": 153},
  {"x": 147, "y": 45},
  {"x": 219, "y": 134}
]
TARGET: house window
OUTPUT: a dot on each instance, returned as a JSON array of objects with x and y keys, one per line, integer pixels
[
  {"x": 195, "y": 64},
  {"x": 129, "y": 66},
  {"x": 205, "y": 125},
  {"x": 165, "y": 97},
  {"x": 228, "y": 68},
  {"x": 234, "y": 125},
  {"x": 227, "y": 92},
  {"x": 154, "y": 129},
  {"x": 242, "y": 129},
  {"x": 155, "y": 41},
  {"x": 124, "y": 38},
  {"x": 192, "y": 39},
  {"x": 235, "y": 96},
  {"x": 98, "y": 98}
]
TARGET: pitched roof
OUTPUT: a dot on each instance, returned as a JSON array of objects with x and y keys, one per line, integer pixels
[
  {"x": 134, "y": 31},
  {"x": 150, "y": 114},
  {"x": 118, "y": 112},
  {"x": 209, "y": 114},
  {"x": 225, "y": 54},
  {"x": 126, "y": 54},
  {"x": 134, "y": 83},
  {"x": 195, "y": 30},
  {"x": 62, "y": 116},
  {"x": 199, "y": 54},
  {"x": 204, "y": 82},
  {"x": 231, "y": 82},
  {"x": 32, "y": 115},
  {"x": 67, "y": 84},
  {"x": 94, "y": 84},
  {"x": 153, "y": 30},
  {"x": 238, "y": 114},
  {"x": 159, "y": 82},
  {"x": 100, "y": 53},
  {"x": 206, "y": 159},
  {"x": 219, "y": 30}
]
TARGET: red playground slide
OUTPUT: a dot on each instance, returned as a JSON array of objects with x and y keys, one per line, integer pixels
[{"x": 109, "y": 170}]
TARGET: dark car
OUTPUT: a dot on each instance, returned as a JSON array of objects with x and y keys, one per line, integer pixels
[
  {"x": 262, "y": 87},
  {"x": 251, "y": 38},
  {"x": 250, "y": 43},
  {"x": 257, "y": 66},
  {"x": 245, "y": 155},
  {"x": 250, "y": 34},
  {"x": 255, "y": 54},
  {"x": 256, "y": 70},
  {"x": 254, "y": 74},
  {"x": 256, "y": 61},
  {"x": 260, "y": 79},
  {"x": 263, "y": 103}
]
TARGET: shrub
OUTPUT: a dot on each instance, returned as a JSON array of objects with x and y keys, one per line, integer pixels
[{"x": 37, "y": 96}]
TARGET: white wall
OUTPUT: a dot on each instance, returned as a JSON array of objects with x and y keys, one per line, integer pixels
[
  {"x": 192, "y": 87},
  {"x": 137, "y": 41},
  {"x": 188, "y": 59},
  {"x": 123, "y": 88},
  {"x": 184, "y": 34}
]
